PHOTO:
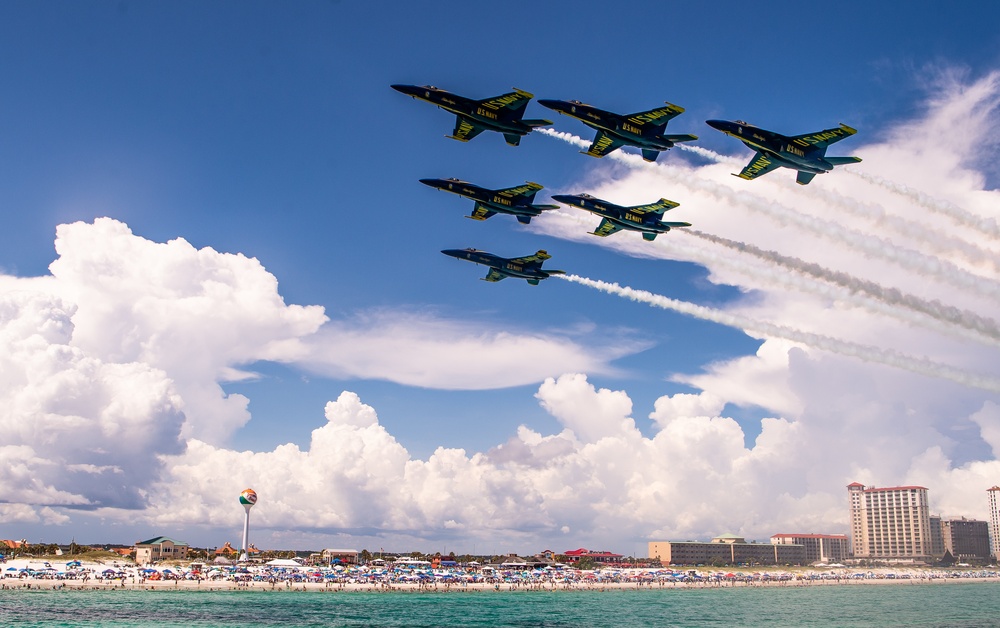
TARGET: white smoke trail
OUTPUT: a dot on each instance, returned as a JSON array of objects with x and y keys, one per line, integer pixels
[
  {"x": 867, "y": 353},
  {"x": 872, "y": 246},
  {"x": 710, "y": 154},
  {"x": 941, "y": 242},
  {"x": 930, "y": 236},
  {"x": 959, "y": 215},
  {"x": 980, "y": 327},
  {"x": 569, "y": 138}
]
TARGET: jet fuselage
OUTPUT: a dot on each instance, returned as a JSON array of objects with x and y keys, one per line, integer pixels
[
  {"x": 620, "y": 216},
  {"x": 798, "y": 154},
  {"x": 508, "y": 267},
  {"x": 490, "y": 116},
  {"x": 631, "y": 131},
  {"x": 511, "y": 203}
]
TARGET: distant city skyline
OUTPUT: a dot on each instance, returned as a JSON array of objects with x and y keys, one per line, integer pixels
[{"x": 219, "y": 268}]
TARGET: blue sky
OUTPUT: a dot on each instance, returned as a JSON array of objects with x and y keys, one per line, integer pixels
[{"x": 269, "y": 130}]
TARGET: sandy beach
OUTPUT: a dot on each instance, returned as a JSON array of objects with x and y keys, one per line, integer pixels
[{"x": 35, "y": 575}]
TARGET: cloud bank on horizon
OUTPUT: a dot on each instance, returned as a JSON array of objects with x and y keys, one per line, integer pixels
[{"x": 117, "y": 359}]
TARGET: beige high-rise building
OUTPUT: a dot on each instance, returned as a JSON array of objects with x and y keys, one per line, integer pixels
[
  {"x": 994, "y": 494},
  {"x": 889, "y": 523}
]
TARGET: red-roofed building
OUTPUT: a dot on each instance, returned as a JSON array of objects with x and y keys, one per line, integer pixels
[{"x": 603, "y": 557}]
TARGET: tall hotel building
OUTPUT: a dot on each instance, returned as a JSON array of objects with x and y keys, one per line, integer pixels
[
  {"x": 994, "y": 520},
  {"x": 889, "y": 523}
]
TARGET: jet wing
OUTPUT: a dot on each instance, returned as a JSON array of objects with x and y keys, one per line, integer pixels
[
  {"x": 656, "y": 117},
  {"x": 528, "y": 191},
  {"x": 822, "y": 139},
  {"x": 603, "y": 144},
  {"x": 494, "y": 275},
  {"x": 527, "y": 260},
  {"x": 760, "y": 164},
  {"x": 465, "y": 129},
  {"x": 658, "y": 207},
  {"x": 481, "y": 212},
  {"x": 606, "y": 228},
  {"x": 513, "y": 102}
]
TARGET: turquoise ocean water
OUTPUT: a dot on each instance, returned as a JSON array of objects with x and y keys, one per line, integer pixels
[{"x": 951, "y": 604}]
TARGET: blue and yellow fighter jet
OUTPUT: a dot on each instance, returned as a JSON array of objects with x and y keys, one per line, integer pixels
[
  {"x": 643, "y": 130},
  {"x": 516, "y": 201},
  {"x": 642, "y": 218},
  {"x": 502, "y": 114},
  {"x": 805, "y": 153},
  {"x": 528, "y": 268}
]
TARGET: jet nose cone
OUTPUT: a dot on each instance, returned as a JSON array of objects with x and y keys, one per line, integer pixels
[
  {"x": 719, "y": 125},
  {"x": 431, "y": 182},
  {"x": 409, "y": 90},
  {"x": 552, "y": 104},
  {"x": 453, "y": 252},
  {"x": 563, "y": 198}
]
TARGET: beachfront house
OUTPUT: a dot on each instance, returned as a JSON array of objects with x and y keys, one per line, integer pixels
[
  {"x": 159, "y": 548},
  {"x": 345, "y": 556},
  {"x": 602, "y": 557}
]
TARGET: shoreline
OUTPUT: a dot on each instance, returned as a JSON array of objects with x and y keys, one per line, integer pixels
[{"x": 45, "y": 584}]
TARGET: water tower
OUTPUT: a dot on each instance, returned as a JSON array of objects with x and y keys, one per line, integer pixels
[{"x": 248, "y": 498}]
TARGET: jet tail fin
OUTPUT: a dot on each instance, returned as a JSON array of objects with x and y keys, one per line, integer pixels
[
  {"x": 524, "y": 220},
  {"x": 649, "y": 237},
  {"x": 533, "y": 282},
  {"x": 681, "y": 137},
  {"x": 512, "y": 138},
  {"x": 649, "y": 154},
  {"x": 803, "y": 178},
  {"x": 840, "y": 161}
]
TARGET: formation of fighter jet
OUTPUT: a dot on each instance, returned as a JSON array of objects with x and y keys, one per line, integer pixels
[
  {"x": 503, "y": 114},
  {"x": 528, "y": 268},
  {"x": 642, "y": 218},
  {"x": 516, "y": 201},
  {"x": 643, "y": 130},
  {"x": 804, "y": 153}
]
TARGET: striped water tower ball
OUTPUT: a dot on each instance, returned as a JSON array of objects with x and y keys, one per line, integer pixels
[{"x": 248, "y": 497}]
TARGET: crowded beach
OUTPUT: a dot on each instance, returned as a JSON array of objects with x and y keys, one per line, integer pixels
[{"x": 404, "y": 574}]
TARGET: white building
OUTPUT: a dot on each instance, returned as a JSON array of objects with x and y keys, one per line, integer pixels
[{"x": 994, "y": 494}]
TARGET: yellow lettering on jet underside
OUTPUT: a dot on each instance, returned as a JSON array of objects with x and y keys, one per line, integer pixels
[
  {"x": 500, "y": 200},
  {"x": 819, "y": 137},
  {"x": 502, "y": 101},
  {"x": 603, "y": 143},
  {"x": 519, "y": 190},
  {"x": 758, "y": 165},
  {"x": 633, "y": 217},
  {"x": 515, "y": 267},
  {"x": 486, "y": 114},
  {"x": 651, "y": 116},
  {"x": 631, "y": 129}
]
